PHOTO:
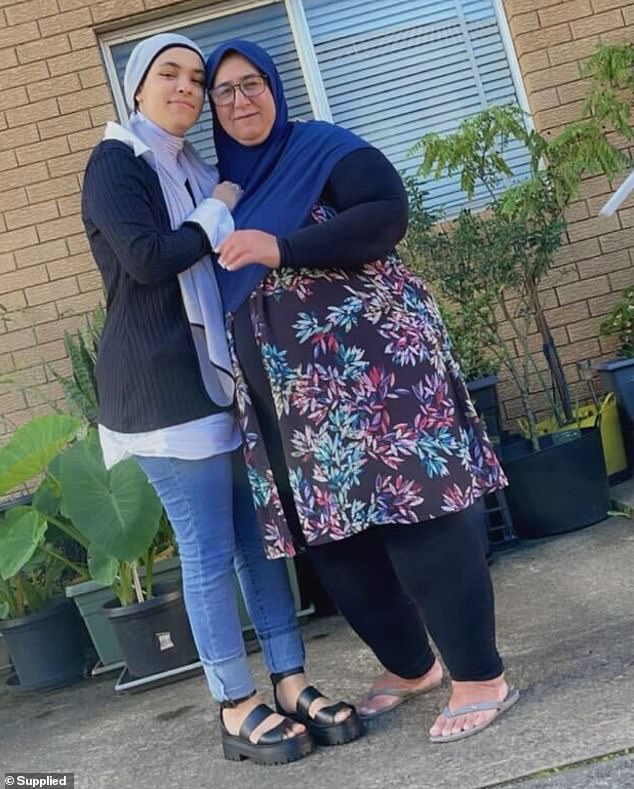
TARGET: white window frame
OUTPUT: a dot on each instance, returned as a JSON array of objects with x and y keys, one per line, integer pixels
[{"x": 303, "y": 43}]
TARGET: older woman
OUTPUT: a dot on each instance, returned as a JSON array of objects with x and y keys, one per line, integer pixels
[
  {"x": 166, "y": 390},
  {"x": 362, "y": 445}
]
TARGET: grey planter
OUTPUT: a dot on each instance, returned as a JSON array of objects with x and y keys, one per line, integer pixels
[{"x": 90, "y": 598}]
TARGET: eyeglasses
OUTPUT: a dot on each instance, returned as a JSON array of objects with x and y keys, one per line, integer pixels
[{"x": 250, "y": 86}]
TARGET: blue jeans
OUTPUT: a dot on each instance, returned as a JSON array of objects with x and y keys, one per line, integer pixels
[{"x": 211, "y": 511}]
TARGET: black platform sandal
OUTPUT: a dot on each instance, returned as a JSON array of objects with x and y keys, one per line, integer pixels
[
  {"x": 323, "y": 727},
  {"x": 273, "y": 747}
]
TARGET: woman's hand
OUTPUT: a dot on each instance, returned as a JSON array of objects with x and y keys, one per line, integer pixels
[
  {"x": 229, "y": 193},
  {"x": 248, "y": 246}
]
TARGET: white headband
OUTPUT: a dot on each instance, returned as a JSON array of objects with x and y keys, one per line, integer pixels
[{"x": 143, "y": 55}]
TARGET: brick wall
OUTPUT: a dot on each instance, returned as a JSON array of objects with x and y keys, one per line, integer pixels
[
  {"x": 552, "y": 39},
  {"x": 54, "y": 100}
]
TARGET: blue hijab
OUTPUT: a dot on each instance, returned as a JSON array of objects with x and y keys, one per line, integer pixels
[{"x": 282, "y": 177}]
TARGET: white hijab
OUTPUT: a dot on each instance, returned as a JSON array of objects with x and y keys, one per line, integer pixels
[{"x": 176, "y": 162}]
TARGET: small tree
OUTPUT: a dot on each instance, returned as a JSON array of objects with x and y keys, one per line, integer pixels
[{"x": 492, "y": 263}]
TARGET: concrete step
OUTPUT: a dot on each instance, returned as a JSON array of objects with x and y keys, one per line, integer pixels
[{"x": 622, "y": 498}]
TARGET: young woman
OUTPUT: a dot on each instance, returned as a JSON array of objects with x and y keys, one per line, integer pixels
[
  {"x": 363, "y": 446},
  {"x": 153, "y": 212}
]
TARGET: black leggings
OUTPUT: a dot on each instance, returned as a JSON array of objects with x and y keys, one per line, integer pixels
[{"x": 393, "y": 583}]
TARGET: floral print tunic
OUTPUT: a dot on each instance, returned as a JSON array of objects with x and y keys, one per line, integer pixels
[{"x": 376, "y": 423}]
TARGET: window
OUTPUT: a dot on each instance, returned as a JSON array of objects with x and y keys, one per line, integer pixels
[{"x": 390, "y": 70}]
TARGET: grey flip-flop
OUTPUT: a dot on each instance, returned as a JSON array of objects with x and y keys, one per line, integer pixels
[
  {"x": 400, "y": 695},
  {"x": 501, "y": 706}
]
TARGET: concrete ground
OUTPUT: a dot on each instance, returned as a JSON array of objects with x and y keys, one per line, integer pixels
[{"x": 565, "y": 610}]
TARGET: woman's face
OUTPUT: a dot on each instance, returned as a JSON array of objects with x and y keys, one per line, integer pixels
[
  {"x": 248, "y": 120},
  {"x": 172, "y": 93}
]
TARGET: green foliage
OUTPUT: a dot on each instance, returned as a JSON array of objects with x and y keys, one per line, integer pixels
[
  {"x": 621, "y": 322},
  {"x": 488, "y": 267},
  {"x": 80, "y": 387}
]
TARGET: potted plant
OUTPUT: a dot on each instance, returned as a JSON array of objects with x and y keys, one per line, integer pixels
[
  {"x": 618, "y": 374},
  {"x": 494, "y": 262},
  {"x": 44, "y": 635}
]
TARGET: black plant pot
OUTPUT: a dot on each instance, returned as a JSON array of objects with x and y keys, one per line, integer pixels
[
  {"x": 484, "y": 394},
  {"x": 155, "y": 635},
  {"x": 47, "y": 648},
  {"x": 561, "y": 488},
  {"x": 617, "y": 375}
]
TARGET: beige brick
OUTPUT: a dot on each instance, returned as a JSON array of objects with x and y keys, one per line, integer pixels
[
  {"x": 72, "y": 5},
  {"x": 618, "y": 36},
  {"x": 54, "y": 86},
  {"x": 106, "y": 10},
  {"x": 577, "y": 211},
  {"x": 11, "y": 138},
  {"x": 84, "y": 302},
  {"x": 600, "y": 305},
  {"x": 23, "y": 176},
  {"x": 597, "y": 185},
  {"x": 73, "y": 163},
  {"x": 37, "y": 111},
  {"x": 90, "y": 281},
  {"x": 626, "y": 217},
  {"x": 573, "y": 91},
  {"x": 101, "y": 115},
  {"x": 58, "y": 228},
  {"x": 21, "y": 217},
  {"x": 584, "y": 349},
  {"x": 47, "y": 332},
  {"x": 44, "y": 394},
  {"x": 69, "y": 205},
  {"x": 78, "y": 244},
  {"x": 8, "y": 58},
  {"x": 74, "y": 61},
  {"x": 15, "y": 198},
  {"x": 612, "y": 242},
  {"x": 91, "y": 77},
  {"x": 628, "y": 15},
  {"x": 606, "y": 5},
  {"x": 514, "y": 7},
  {"x": 41, "y": 253},
  {"x": 84, "y": 99},
  {"x": 51, "y": 291},
  {"x": 525, "y": 23},
  {"x": 17, "y": 340},
  {"x": 552, "y": 77},
  {"x": 60, "y": 23},
  {"x": 42, "y": 151},
  {"x": 16, "y": 239},
  {"x": 53, "y": 187},
  {"x": 29, "y": 10},
  {"x": 597, "y": 23},
  {"x": 565, "y": 12},
  {"x": 564, "y": 114},
  {"x": 560, "y": 316},
  {"x": 573, "y": 51},
  {"x": 70, "y": 266},
  {"x": 562, "y": 275},
  {"x": 30, "y": 317},
  {"x": 621, "y": 279},
  {"x": 13, "y": 401},
  {"x": 85, "y": 139},
  {"x": 541, "y": 39},
  {"x": 7, "y": 262},
  {"x": 37, "y": 50},
  {"x": 604, "y": 264},
  {"x": 32, "y": 357},
  {"x": 7, "y": 161},
  {"x": 583, "y": 330},
  {"x": 15, "y": 300},
  {"x": 80, "y": 39},
  {"x": 583, "y": 289},
  {"x": 590, "y": 228},
  {"x": 534, "y": 61},
  {"x": 19, "y": 34},
  {"x": 544, "y": 99},
  {"x": 23, "y": 278},
  {"x": 19, "y": 418},
  {"x": 64, "y": 124},
  {"x": 16, "y": 97}
]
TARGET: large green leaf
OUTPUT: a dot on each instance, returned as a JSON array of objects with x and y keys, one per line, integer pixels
[
  {"x": 33, "y": 446},
  {"x": 103, "y": 569},
  {"x": 21, "y": 531},
  {"x": 118, "y": 510}
]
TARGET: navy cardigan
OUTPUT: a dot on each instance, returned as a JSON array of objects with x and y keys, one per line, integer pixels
[{"x": 147, "y": 372}]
